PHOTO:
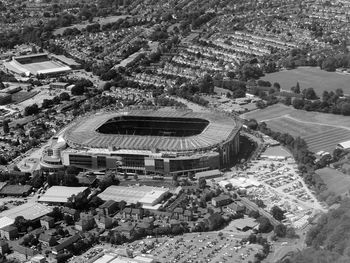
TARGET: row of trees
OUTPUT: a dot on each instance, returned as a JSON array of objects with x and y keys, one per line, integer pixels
[{"x": 328, "y": 240}]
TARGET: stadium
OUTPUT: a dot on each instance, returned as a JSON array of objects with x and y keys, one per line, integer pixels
[
  {"x": 36, "y": 65},
  {"x": 152, "y": 142}
]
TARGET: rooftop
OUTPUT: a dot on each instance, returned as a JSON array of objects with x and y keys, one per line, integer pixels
[
  {"x": 132, "y": 195},
  {"x": 60, "y": 194},
  {"x": 29, "y": 211}
]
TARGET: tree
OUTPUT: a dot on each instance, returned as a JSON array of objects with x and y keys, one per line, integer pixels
[
  {"x": 296, "y": 89},
  {"x": 6, "y": 127},
  {"x": 31, "y": 110},
  {"x": 280, "y": 230},
  {"x": 345, "y": 109},
  {"x": 277, "y": 86},
  {"x": 310, "y": 94},
  {"x": 265, "y": 225},
  {"x": 202, "y": 183},
  {"x": 277, "y": 213},
  {"x": 64, "y": 96},
  {"x": 252, "y": 124},
  {"x": 206, "y": 84},
  {"x": 21, "y": 223},
  {"x": 56, "y": 213}
]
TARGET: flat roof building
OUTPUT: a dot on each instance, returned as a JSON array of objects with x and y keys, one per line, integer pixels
[
  {"x": 30, "y": 211},
  {"x": 146, "y": 195},
  {"x": 60, "y": 194}
]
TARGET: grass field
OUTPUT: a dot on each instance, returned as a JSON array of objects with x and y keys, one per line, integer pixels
[
  {"x": 20, "y": 96},
  {"x": 336, "y": 182},
  {"x": 321, "y": 131},
  {"x": 310, "y": 77}
]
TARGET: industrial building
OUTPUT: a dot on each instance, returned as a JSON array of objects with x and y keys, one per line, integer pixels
[
  {"x": 60, "y": 194},
  {"x": 148, "y": 196}
]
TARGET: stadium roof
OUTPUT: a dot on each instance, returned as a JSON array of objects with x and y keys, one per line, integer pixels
[
  {"x": 83, "y": 132},
  {"x": 132, "y": 195},
  {"x": 30, "y": 211},
  {"x": 60, "y": 194}
]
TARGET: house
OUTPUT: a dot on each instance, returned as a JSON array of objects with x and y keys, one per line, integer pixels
[
  {"x": 85, "y": 223},
  {"x": 221, "y": 200},
  {"x": 178, "y": 211},
  {"x": 109, "y": 207},
  {"x": 64, "y": 244},
  {"x": 137, "y": 213},
  {"x": 187, "y": 215},
  {"x": 38, "y": 259},
  {"x": 104, "y": 222},
  {"x": 47, "y": 239},
  {"x": 127, "y": 230},
  {"x": 9, "y": 232},
  {"x": 236, "y": 207},
  {"x": 126, "y": 213},
  {"x": 47, "y": 222},
  {"x": 71, "y": 212},
  {"x": 86, "y": 179},
  {"x": 4, "y": 247}
]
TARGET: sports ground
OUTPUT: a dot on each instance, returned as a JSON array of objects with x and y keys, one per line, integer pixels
[
  {"x": 311, "y": 77},
  {"x": 321, "y": 131}
]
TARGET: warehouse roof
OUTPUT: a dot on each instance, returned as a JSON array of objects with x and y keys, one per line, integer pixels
[
  {"x": 60, "y": 194},
  {"x": 30, "y": 211},
  {"x": 132, "y": 195}
]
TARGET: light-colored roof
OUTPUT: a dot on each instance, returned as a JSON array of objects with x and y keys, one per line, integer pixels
[
  {"x": 345, "y": 144},
  {"x": 106, "y": 258},
  {"x": 133, "y": 194},
  {"x": 60, "y": 194},
  {"x": 6, "y": 221},
  {"x": 220, "y": 129},
  {"x": 209, "y": 173},
  {"x": 29, "y": 211}
]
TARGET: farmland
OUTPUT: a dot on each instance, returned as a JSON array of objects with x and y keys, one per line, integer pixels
[
  {"x": 321, "y": 131},
  {"x": 311, "y": 77},
  {"x": 336, "y": 181}
]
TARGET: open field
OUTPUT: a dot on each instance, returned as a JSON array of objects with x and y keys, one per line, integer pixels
[
  {"x": 310, "y": 77},
  {"x": 321, "y": 131},
  {"x": 21, "y": 96},
  {"x": 336, "y": 181}
]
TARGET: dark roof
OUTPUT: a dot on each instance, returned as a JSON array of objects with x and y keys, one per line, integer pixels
[
  {"x": 178, "y": 210},
  {"x": 46, "y": 238},
  {"x": 222, "y": 198},
  {"x": 86, "y": 180},
  {"x": 67, "y": 242},
  {"x": 15, "y": 189},
  {"x": 137, "y": 211},
  {"x": 47, "y": 218},
  {"x": 70, "y": 211},
  {"x": 9, "y": 228},
  {"x": 108, "y": 204},
  {"x": 127, "y": 210}
]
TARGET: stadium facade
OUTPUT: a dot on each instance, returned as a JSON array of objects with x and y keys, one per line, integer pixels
[
  {"x": 37, "y": 65},
  {"x": 151, "y": 142}
]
